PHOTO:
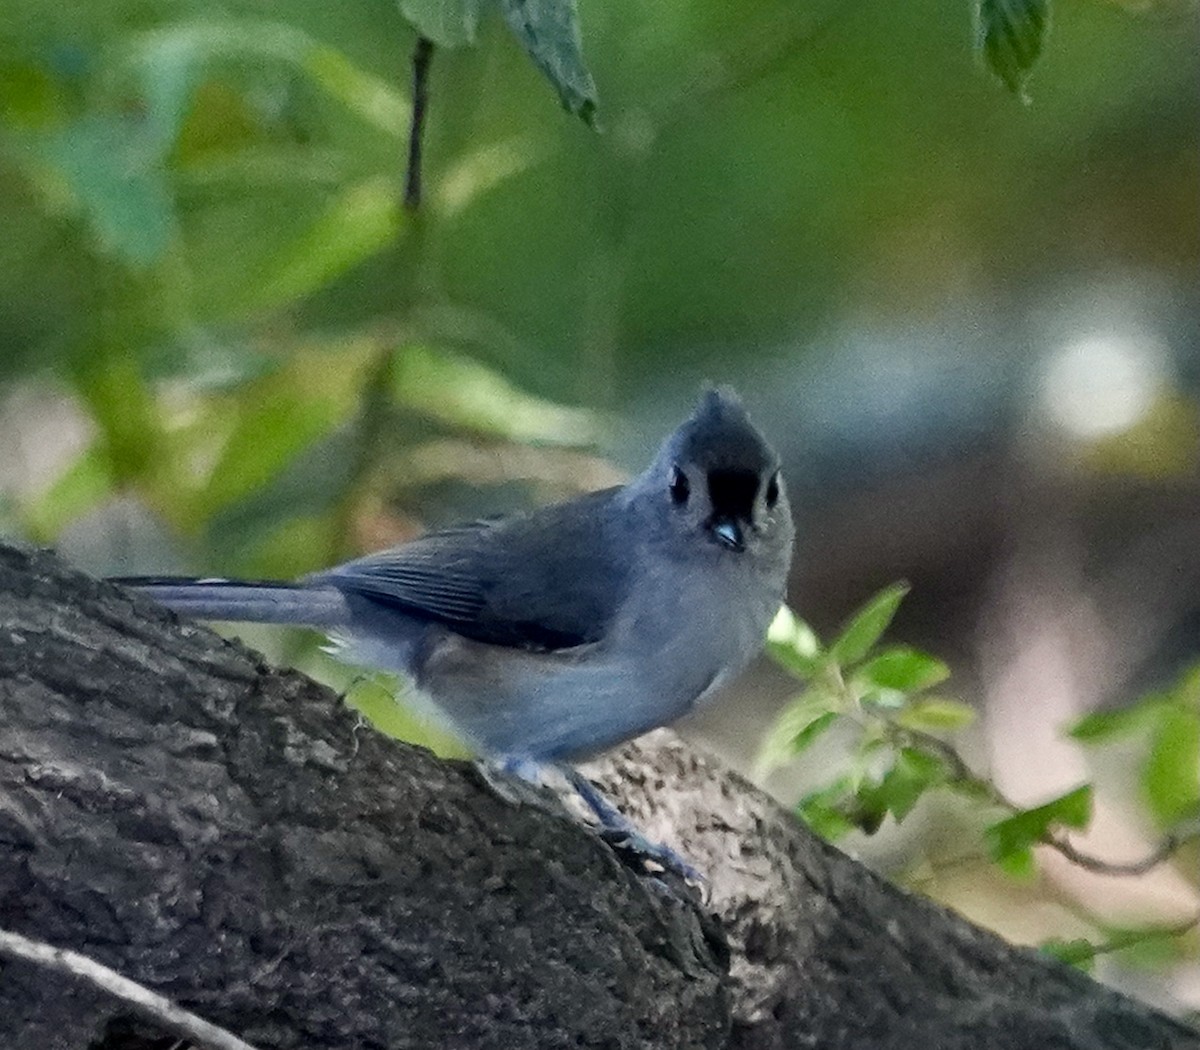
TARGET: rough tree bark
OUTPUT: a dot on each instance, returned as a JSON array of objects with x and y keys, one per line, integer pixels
[{"x": 232, "y": 837}]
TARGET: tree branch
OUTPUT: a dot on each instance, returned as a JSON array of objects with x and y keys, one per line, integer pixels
[
  {"x": 156, "y": 1006},
  {"x": 226, "y": 836}
]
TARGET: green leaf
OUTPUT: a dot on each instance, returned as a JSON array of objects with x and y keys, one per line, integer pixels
[
  {"x": 912, "y": 773},
  {"x": 1015, "y": 834},
  {"x": 793, "y": 644},
  {"x": 813, "y": 730},
  {"x": 548, "y": 30},
  {"x": 462, "y": 392},
  {"x": 168, "y": 61},
  {"x": 274, "y": 426},
  {"x": 1009, "y": 34},
  {"x": 822, "y": 810},
  {"x": 362, "y": 220},
  {"x": 867, "y": 625},
  {"x": 798, "y": 725},
  {"x": 113, "y": 172},
  {"x": 936, "y": 714},
  {"x": 1172, "y": 775},
  {"x": 448, "y": 23},
  {"x": 1019, "y": 864},
  {"x": 1078, "y": 952},
  {"x": 1103, "y": 726},
  {"x": 904, "y": 669},
  {"x": 82, "y": 486}
]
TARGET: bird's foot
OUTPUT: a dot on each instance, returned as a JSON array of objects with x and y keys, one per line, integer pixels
[
  {"x": 519, "y": 782},
  {"x": 524, "y": 782},
  {"x": 622, "y": 834}
]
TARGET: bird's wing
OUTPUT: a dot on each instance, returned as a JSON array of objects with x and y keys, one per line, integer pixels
[{"x": 542, "y": 581}]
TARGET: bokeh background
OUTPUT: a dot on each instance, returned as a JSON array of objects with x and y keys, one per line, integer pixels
[{"x": 968, "y": 323}]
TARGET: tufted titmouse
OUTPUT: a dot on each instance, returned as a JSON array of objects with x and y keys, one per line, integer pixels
[{"x": 550, "y": 636}]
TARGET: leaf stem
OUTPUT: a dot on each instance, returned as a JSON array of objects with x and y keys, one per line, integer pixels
[
  {"x": 962, "y": 774},
  {"x": 422, "y": 57}
]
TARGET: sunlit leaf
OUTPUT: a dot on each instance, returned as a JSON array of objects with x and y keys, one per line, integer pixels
[
  {"x": 1009, "y": 35},
  {"x": 448, "y": 23},
  {"x": 1017, "y": 833},
  {"x": 1172, "y": 776},
  {"x": 797, "y": 726},
  {"x": 457, "y": 390},
  {"x": 359, "y": 222},
  {"x": 273, "y": 427},
  {"x": 81, "y": 487},
  {"x": 867, "y": 625},
  {"x": 168, "y": 60},
  {"x": 548, "y": 30},
  {"x": 793, "y": 644},
  {"x": 936, "y": 714},
  {"x": 479, "y": 170}
]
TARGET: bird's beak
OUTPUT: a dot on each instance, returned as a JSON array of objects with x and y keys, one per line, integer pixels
[{"x": 728, "y": 533}]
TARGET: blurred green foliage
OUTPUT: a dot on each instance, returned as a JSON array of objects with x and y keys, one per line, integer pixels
[
  {"x": 900, "y": 748},
  {"x": 205, "y": 241}
]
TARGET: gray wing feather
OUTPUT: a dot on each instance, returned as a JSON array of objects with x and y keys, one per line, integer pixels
[{"x": 545, "y": 581}]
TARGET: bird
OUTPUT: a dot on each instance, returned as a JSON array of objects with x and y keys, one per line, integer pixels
[{"x": 548, "y": 637}]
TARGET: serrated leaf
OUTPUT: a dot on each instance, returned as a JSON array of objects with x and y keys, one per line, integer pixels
[
  {"x": 867, "y": 625},
  {"x": 1022, "y": 830},
  {"x": 448, "y": 23},
  {"x": 936, "y": 714},
  {"x": 904, "y": 669},
  {"x": 548, "y": 30},
  {"x": 1172, "y": 774},
  {"x": 1009, "y": 34}
]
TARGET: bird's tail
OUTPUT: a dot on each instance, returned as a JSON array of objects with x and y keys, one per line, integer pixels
[{"x": 245, "y": 601}]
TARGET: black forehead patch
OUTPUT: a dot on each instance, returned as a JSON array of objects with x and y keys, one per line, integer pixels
[
  {"x": 731, "y": 493},
  {"x": 720, "y": 437}
]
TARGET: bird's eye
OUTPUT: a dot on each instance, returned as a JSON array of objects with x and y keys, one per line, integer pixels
[
  {"x": 772, "y": 493},
  {"x": 680, "y": 488}
]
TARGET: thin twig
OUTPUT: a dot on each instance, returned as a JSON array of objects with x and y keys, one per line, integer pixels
[
  {"x": 159, "y": 1008},
  {"x": 960, "y": 773},
  {"x": 422, "y": 55}
]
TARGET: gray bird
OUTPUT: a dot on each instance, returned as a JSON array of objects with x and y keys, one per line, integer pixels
[{"x": 547, "y": 637}]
